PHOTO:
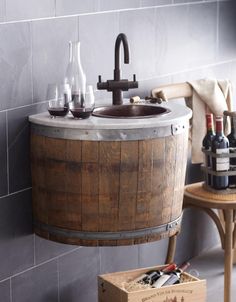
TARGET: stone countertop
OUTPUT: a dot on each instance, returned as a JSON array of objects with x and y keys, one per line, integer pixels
[{"x": 178, "y": 114}]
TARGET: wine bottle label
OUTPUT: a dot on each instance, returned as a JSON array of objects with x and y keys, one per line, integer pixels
[
  {"x": 161, "y": 281},
  {"x": 172, "y": 280},
  {"x": 222, "y": 164}
]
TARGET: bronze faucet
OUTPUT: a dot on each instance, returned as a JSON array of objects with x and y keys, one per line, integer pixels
[{"x": 117, "y": 85}]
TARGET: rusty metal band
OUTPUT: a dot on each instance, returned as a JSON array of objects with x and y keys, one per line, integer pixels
[
  {"x": 52, "y": 230},
  {"x": 109, "y": 134}
]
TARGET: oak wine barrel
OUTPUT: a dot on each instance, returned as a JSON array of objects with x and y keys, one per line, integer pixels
[{"x": 108, "y": 192}]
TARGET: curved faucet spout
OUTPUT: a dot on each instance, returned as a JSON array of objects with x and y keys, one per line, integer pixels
[
  {"x": 117, "y": 86},
  {"x": 121, "y": 38}
]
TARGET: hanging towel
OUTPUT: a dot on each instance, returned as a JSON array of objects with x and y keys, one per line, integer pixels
[{"x": 209, "y": 96}]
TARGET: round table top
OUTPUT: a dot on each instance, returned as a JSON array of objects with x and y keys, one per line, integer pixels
[{"x": 196, "y": 194}]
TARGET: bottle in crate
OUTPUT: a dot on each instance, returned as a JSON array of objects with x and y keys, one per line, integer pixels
[
  {"x": 151, "y": 276},
  {"x": 175, "y": 276},
  {"x": 232, "y": 145},
  {"x": 170, "y": 277},
  {"x": 220, "y": 145},
  {"x": 206, "y": 144}
]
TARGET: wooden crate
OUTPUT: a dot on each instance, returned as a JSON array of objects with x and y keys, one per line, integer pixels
[{"x": 113, "y": 288}]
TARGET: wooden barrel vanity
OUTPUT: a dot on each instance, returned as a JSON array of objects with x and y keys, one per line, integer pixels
[{"x": 103, "y": 181}]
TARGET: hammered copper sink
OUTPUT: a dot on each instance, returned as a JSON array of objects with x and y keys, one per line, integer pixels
[{"x": 130, "y": 111}]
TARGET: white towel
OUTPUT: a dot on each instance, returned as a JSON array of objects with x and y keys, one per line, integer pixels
[{"x": 209, "y": 95}]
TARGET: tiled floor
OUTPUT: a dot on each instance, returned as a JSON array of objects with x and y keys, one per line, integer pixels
[{"x": 210, "y": 266}]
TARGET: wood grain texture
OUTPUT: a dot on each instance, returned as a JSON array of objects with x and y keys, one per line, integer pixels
[
  {"x": 181, "y": 155},
  {"x": 145, "y": 159},
  {"x": 90, "y": 186},
  {"x": 109, "y": 183},
  {"x": 128, "y": 185},
  {"x": 113, "y": 186}
]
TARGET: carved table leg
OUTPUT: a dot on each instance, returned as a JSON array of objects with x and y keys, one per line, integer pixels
[
  {"x": 228, "y": 254},
  {"x": 171, "y": 249}
]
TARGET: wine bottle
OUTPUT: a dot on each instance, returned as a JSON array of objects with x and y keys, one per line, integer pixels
[
  {"x": 174, "y": 277},
  {"x": 232, "y": 145},
  {"x": 206, "y": 144},
  {"x": 151, "y": 276},
  {"x": 220, "y": 145},
  {"x": 147, "y": 278},
  {"x": 163, "y": 277}
]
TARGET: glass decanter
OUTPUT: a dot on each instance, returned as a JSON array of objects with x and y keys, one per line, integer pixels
[{"x": 75, "y": 75}]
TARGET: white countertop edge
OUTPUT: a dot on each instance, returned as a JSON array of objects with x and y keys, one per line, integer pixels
[{"x": 177, "y": 114}]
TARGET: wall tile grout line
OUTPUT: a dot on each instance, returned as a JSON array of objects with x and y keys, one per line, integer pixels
[
  {"x": 43, "y": 263},
  {"x": 191, "y": 69},
  {"x": 233, "y": 60},
  {"x": 27, "y": 256},
  {"x": 141, "y": 80},
  {"x": 14, "y": 193},
  {"x": 112, "y": 11},
  {"x": 23, "y": 106},
  {"x": 5, "y": 279}
]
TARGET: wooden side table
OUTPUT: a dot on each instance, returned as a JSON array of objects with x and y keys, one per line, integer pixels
[{"x": 195, "y": 196}]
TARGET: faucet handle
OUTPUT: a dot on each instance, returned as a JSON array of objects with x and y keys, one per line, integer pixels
[
  {"x": 101, "y": 85},
  {"x": 134, "y": 77}
]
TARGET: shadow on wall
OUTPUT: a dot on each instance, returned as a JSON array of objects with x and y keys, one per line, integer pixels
[
  {"x": 193, "y": 172},
  {"x": 197, "y": 234},
  {"x": 197, "y": 228}
]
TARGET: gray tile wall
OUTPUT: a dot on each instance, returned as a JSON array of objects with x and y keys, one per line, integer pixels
[
  {"x": 5, "y": 291},
  {"x": 170, "y": 41}
]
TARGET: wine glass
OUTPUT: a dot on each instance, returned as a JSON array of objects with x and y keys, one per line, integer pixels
[
  {"x": 89, "y": 98},
  {"x": 58, "y": 97},
  {"x": 85, "y": 106}
]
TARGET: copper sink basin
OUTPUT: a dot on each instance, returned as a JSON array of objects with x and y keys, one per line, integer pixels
[{"x": 130, "y": 111}]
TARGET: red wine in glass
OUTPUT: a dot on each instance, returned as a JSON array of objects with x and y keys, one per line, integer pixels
[
  {"x": 81, "y": 113},
  {"x": 58, "y": 111}
]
